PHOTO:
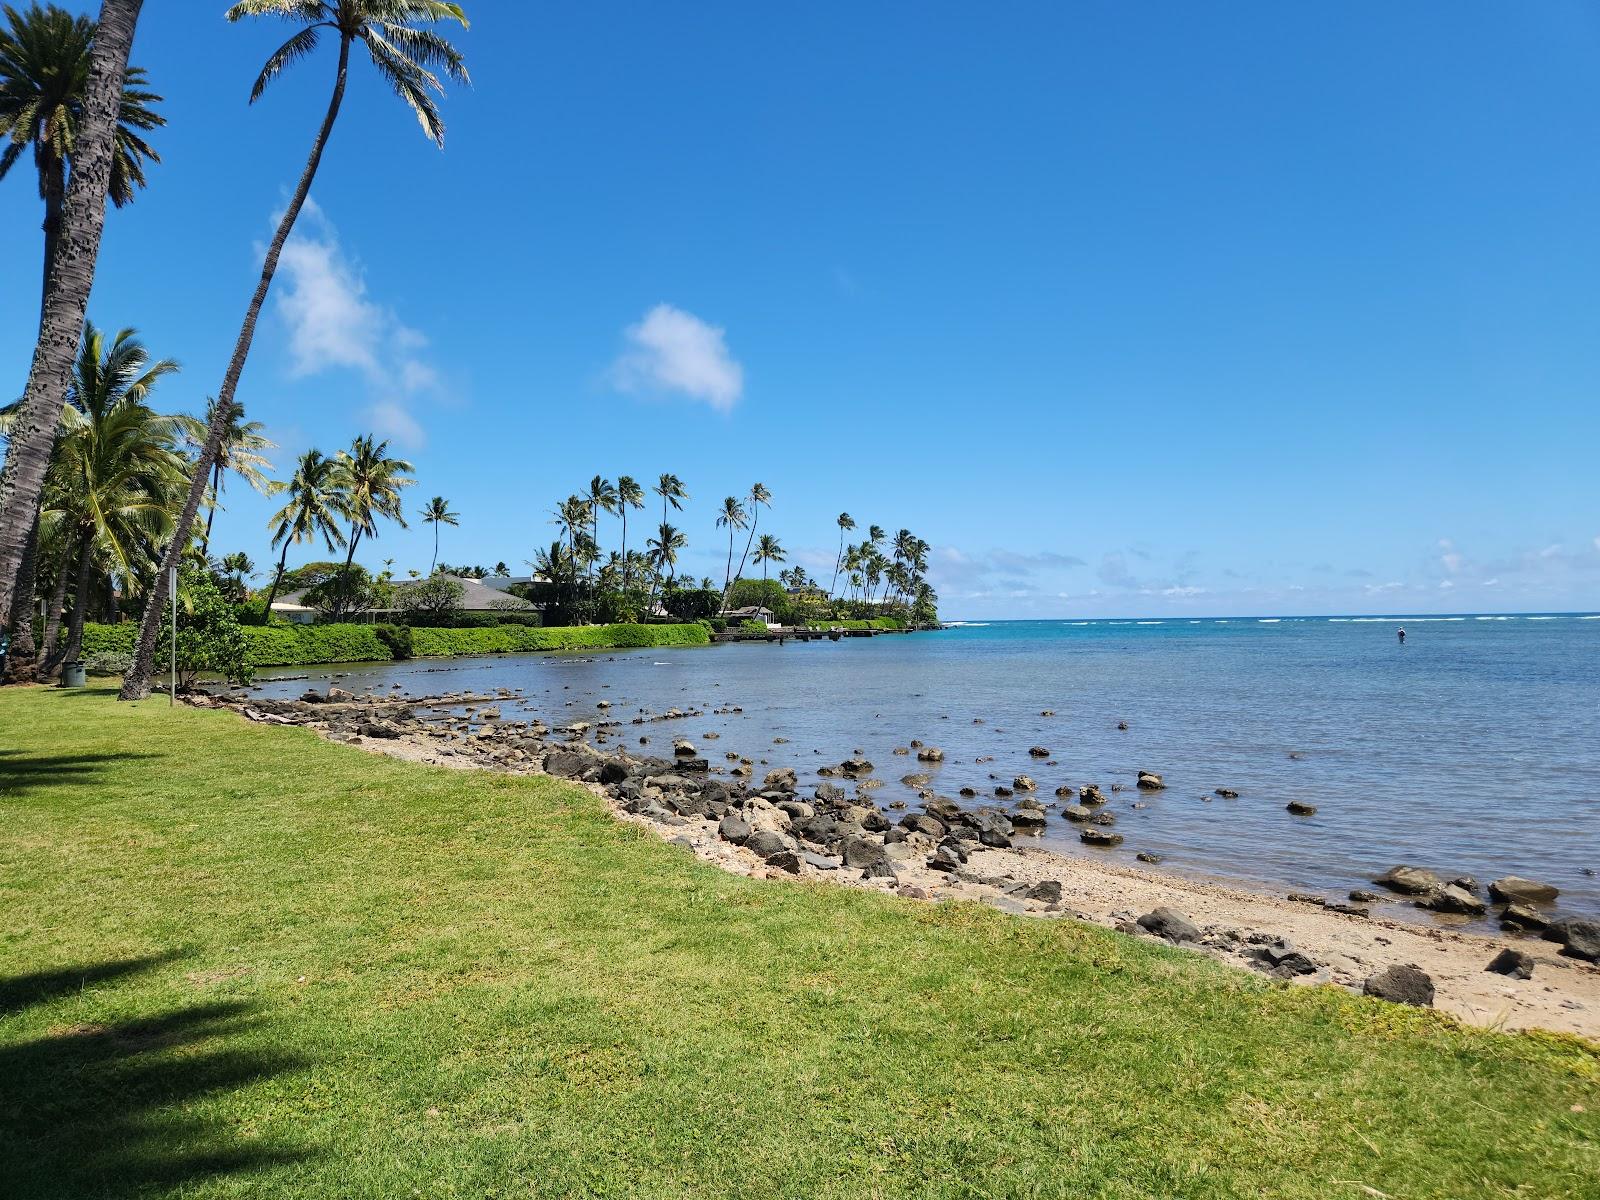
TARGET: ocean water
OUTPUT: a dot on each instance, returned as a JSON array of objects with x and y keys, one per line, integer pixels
[{"x": 1474, "y": 748}]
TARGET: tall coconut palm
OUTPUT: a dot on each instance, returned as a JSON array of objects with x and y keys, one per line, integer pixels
[
  {"x": 602, "y": 498},
  {"x": 406, "y": 56},
  {"x": 571, "y": 516},
  {"x": 438, "y": 513},
  {"x": 664, "y": 549},
  {"x": 768, "y": 551},
  {"x": 314, "y": 509},
  {"x": 629, "y": 495},
  {"x": 241, "y": 453},
  {"x": 757, "y": 497},
  {"x": 116, "y": 476},
  {"x": 70, "y": 279},
  {"x": 733, "y": 516},
  {"x": 371, "y": 481},
  {"x": 44, "y": 76},
  {"x": 846, "y": 523},
  {"x": 670, "y": 489}
]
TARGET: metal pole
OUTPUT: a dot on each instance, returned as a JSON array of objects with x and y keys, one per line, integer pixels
[{"x": 172, "y": 588}]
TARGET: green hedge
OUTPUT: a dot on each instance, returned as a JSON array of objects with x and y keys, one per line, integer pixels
[
  {"x": 874, "y": 623},
  {"x": 312, "y": 645},
  {"x": 510, "y": 639},
  {"x": 270, "y": 645}
]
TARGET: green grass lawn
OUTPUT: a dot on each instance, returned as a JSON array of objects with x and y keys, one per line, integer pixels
[{"x": 237, "y": 960}]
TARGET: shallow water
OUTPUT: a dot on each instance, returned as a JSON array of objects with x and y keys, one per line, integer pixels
[{"x": 1474, "y": 748}]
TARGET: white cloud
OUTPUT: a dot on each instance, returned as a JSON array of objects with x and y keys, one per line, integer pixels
[
  {"x": 671, "y": 350},
  {"x": 392, "y": 421},
  {"x": 334, "y": 325},
  {"x": 1452, "y": 558}
]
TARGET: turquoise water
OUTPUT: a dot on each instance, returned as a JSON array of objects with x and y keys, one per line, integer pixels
[{"x": 1473, "y": 748}]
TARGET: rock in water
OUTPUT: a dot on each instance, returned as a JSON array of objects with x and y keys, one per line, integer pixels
[
  {"x": 1150, "y": 781},
  {"x": 1024, "y": 783},
  {"x": 1100, "y": 837},
  {"x": 1513, "y": 963},
  {"x": 1513, "y": 890},
  {"x": 1520, "y": 916},
  {"x": 1453, "y": 899},
  {"x": 1170, "y": 924},
  {"x": 1401, "y": 984},
  {"x": 1412, "y": 881},
  {"x": 1038, "y": 752},
  {"x": 781, "y": 780},
  {"x": 1301, "y": 809}
]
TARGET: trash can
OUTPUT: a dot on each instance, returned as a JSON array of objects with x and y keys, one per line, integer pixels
[{"x": 73, "y": 675}]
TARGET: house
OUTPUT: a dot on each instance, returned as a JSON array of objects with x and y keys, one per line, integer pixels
[
  {"x": 476, "y": 597},
  {"x": 750, "y": 612}
]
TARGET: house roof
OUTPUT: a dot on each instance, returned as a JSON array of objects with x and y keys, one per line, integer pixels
[{"x": 475, "y": 597}]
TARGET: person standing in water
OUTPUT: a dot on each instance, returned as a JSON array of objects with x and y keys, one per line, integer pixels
[{"x": 1402, "y": 636}]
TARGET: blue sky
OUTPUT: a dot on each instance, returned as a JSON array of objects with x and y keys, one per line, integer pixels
[{"x": 1126, "y": 309}]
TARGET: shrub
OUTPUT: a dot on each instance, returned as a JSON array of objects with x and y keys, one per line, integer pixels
[
  {"x": 432, "y": 601},
  {"x": 510, "y": 639},
  {"x": 209, "y": 635},
  {"x": 751, "y": 625},
  {"x": 397, "y": 638},
  {"x": 253, "y": 611}
]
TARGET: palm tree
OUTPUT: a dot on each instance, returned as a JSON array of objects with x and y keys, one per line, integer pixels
[
  {"x": 44, "y": 75},
  {"x": 846, "y": 523},
  {"x": 438, "y": 513},
  {"x": 629, "y": 495},
  {"x": 757, "y": 497},
  {"x": 602, "y": 498},
  {"x": 664, "y": 549},
  {"x": 733, "y": 516},
  {"x": 116, "y": 477},
  {"x": 670, "y": 489},
  {"x": 371, "y": 482},
  {"x": 314, "y": 508},
  {"x": 242, "y": 444},
  {"x": 71, "y": 277},
  {"x": 406, "y": 56},
  {"x": 768, "y": 551},
  {"x": 571, "y": 516}
]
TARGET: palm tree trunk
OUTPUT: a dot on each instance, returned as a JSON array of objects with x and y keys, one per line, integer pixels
[
  {"x": 277, "y": 578},
  {"x": 80, "y": 602},
  {"x": 434, "y": 565},
  {"x": 55, "y": 198},
  {"x": 837, "y": 559},
  {"x": 70, "y": 279},
  {"x": 52, "y": 616},
  {"x": 211, "y": 513},
  {"x": 755, "y": 519},
  {"x": 625, "y": 572},
  {"x": 22, "y": 663},
  {"x": 727, "y": 575},
  {"x": 136, "y": 683}
]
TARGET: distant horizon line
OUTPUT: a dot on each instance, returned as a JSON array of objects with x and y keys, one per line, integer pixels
[{"x": 1154, "y": 618}]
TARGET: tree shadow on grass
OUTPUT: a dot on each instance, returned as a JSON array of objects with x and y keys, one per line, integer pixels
[
  {"x": 118, "y": 1110},
  {"x": 22, "y": 775}
]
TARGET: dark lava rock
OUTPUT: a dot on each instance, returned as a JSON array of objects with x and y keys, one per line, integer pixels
[
  {"x": 861, "y": 853},
  {"x": 1170, "y": 924},
  {"x": 1349, "y": 910},
  {"x": 944, "y": 858},
  {"x": 994, "y": 839},
  {"x": 820, "y": 862},
  {"x": 1077, "y": 812},
  {"x": 766, "y": 843},
  {"x": 923, "y": 823},
  {"x": 1513, "y": 963},
  {"x": 1024, "y": 783},
  {"x": 1301, "y": 809},
  {"x": 1513, "y": 890},
  {"x": 1401, "y": 984},
  {"x": 1100, "y": 837},
  {"x": 1028, "y": 820},
  {"x": 1047, "y": 891},
  {"x": 1411, "y": 881},
  {"x": 930, "y": 754},
  {"x": 1453, "y": 899},
  {"x": 1362, "y": 896},
  {"x": 1227, "y": 793},
  {"x": 612, "y": 771},
  {"x": 1579, "y": 937},
  {"x": 881, "y": 869},
  {"x": 1520, "y": 916},
  {"x": 1091, "y": 795},
  {"x": 1145, "y": 856},
  {"x": 565, "y": 764},
  {"x": 1038, "y": 752},
  {"x": 1280, "y": 959},
  {"x": 734, "y": 829},
  {"x": 830, "y": 793},
  {"x": 1150, "y": 781},
  {"x": 785, "y": 860}
]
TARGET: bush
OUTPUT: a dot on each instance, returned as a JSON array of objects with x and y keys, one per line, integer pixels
[
  {"x": 252, "y": 611},
  {"x": 511, "y": 639},
  {"x": 691, "y": 604},
  {"x": 310, "y": 645},
  {"x": 751, "y": 625},
  {"x": 397, "y": 638}
]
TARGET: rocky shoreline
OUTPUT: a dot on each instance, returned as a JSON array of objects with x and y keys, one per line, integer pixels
[{"x": 1542, "y": 974}]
